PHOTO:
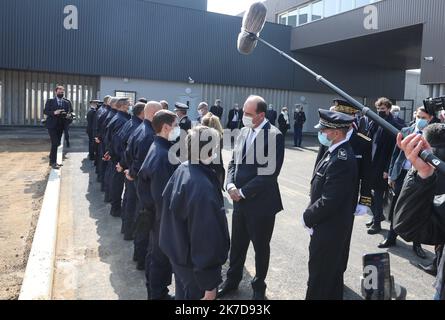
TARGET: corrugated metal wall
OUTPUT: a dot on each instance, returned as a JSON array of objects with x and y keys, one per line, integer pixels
[
  {"x": 138, "y": 39},
  {"x": 23, "y": 95},
  {"x": 278, "y": 98}
]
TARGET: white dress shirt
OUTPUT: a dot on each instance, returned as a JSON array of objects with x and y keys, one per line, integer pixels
[{"x": 253, "y": 133}]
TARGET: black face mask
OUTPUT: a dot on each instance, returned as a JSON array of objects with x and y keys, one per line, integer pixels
[
  {"x": 60, "y": 95},
  {"x": 382, "y": 114}
]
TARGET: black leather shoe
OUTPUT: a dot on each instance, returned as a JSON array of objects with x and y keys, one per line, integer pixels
[
  {"x": 141, "y": 265},
  {"x": 430, "y": 269},
  {"x": 369, "y": 224},
  {"x": 56, "y": 166},
  {"x": 115, "y": 213},
  {"x": 375, "y": 229},
  {"x": 259, "y": 295},
  {"x": 128, "y": 237},
  {"x": 226, "y": 288},
  {"x": 387, "y": 243},
  {"x": 419, "y": 251}
]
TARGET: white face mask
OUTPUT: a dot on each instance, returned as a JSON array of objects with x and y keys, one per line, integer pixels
[
  {"x": 248, "y": 122},
  {"x": 174, "y": 134}
]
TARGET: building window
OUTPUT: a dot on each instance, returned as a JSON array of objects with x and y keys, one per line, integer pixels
[
  {"x": 131, "y": 95},
  {"x": 346, "y": 5},
  {"x": 330, "y": 8},
  {"x": 303, "y": 15},
  {"x": 292, "y": 18},
  {"x": 317, "y": 10}
]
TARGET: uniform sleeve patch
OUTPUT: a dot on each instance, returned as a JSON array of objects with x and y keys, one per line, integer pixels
[{"x": 342, "y": 154}]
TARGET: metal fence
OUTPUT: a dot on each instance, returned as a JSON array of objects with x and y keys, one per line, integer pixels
[{"x": 23, "y": 95}]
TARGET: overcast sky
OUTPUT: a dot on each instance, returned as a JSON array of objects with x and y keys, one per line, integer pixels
[{"x": 232, "y": 7}]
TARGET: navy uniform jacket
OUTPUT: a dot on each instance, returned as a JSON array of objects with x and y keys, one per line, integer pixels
[
  {"x": 91, "y": 121},
  {"x": 51, "y": 105},
  {"x": 138, "y": 146},
  {"x": 101, "y": 114},
  {"x": 107, "y": 121},
  {"x": 185, "y": 123},
  {"x": 124, "y": 135},
  {"x": 383, "y": 144},
  {"x": 113, "y": 129},
  {"x": 194, "y": 232},
  {"x": 154, "y": 175},
  {"x": 261, "y": 191},
  {"x": 361, "y": 145},
  {"x": 334, "y": 192}
]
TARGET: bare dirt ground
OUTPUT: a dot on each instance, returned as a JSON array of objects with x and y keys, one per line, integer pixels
[{"x": 23, "y": 175}]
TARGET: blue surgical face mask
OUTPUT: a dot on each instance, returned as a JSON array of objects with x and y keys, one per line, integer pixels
[
  {"x": 323, "y": 138},
  {"x": 421, "y": 124}
]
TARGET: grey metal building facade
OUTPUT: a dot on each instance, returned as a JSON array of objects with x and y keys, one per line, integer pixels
[{"x": 171, "y": 41}]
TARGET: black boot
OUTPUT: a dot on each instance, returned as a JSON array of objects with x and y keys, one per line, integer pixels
[
  {"x": 226, "y": 288},
  {"x": 387, "y": 243},
  {"x": 430, "y": 269},
  {"x": 419, "y": 251},
  {"x": 370, "y": 223},
  {"x": 376, "y": 228}
]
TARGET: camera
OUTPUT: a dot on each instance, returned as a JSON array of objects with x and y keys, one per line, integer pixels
[{"x": 434, "y": 105}]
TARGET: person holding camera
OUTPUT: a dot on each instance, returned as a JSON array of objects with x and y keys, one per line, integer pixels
[
  {"x": 420, "y": 210},
  {"x": 56, "y": 110}
]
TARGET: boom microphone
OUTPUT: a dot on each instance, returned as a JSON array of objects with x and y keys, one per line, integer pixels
[{"x": 253, "y": 22}]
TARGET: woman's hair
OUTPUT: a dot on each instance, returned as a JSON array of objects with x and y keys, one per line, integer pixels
[
  {"x": 201, "y": 143},
  {"x": 212, "y": 121}
]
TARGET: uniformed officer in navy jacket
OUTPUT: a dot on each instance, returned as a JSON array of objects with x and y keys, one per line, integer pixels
[
  {"x": 91, "y": 124},
  {"x": 334, "y": 194},
  {"x": 101, "y": 114},
  {"x": 107, "y": 139},
  {"x": 252, "y": 184},
  {"x": 137, "y": 150},
  {"x": 156, "y": 170},
  {"x": 194, "y": 233},
  {"x": 124, "y": 135},
  {"x": 55, "y": 110},
  {"x": 116, "y": 179}
]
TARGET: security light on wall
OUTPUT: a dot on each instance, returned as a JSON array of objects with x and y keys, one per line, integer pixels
[
  {"x": 191, "y": 81},
  {"x": 126, "y": 80},
  {"x": 428, "y": 58}
]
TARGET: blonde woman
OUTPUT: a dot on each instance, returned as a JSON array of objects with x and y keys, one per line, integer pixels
[{"x": 212, "y": 121}]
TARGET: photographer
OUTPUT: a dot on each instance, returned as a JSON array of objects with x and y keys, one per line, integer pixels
[
  {"x": 56, "y": 110},
  {"x": 420, "y": 210}
]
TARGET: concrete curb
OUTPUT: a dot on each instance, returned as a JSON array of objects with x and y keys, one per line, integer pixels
[{"x": 38, "y": 279}]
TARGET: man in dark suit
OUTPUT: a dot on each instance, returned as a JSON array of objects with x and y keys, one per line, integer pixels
[
  {"x": 91, "y": 123},
  {"x": 334, "y": 193},
  {"x": 252, "y": 184},
  {"x": 217, "y": 110},
  {"x": 383, "y": 144},
  {"x": 55, "y": 110},
  {"x": 299, "y": 120},
  {"x": 271, "y": 115},
  {"x": 235, "y": 116}
]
